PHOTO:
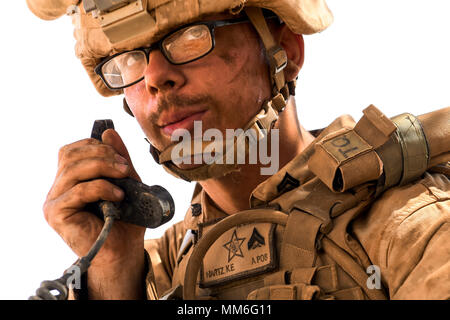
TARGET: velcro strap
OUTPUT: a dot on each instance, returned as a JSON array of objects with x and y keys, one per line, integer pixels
[
  {"x": 374, "y": 127},
  {"x": 299, "y": 246},
  {"x": 414, "y": 147}
]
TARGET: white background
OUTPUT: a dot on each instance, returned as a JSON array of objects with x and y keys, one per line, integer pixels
[{"x": 394, "y": 54}]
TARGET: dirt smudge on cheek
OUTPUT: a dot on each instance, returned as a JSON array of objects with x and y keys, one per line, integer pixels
[
  {"x": 234, "y": 65},
  {"x": 241, "y": 54},
  {"x": 229, "y": 59}
]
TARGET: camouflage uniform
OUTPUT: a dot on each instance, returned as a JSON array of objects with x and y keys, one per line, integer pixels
[{"x": 404, "y": 232}]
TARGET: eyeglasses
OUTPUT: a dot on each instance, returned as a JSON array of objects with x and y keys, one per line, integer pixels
[{"x": 186, "y": 44}]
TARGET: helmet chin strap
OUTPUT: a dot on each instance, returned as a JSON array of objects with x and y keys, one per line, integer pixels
[{"x": 261, "y": 123}]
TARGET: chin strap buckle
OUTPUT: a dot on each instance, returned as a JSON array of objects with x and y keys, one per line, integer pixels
[
  {"x": 264, "y": 121},
  {"x": 278, "y": 59}
]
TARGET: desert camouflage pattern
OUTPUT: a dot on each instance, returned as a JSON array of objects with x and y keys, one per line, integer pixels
[
  {"x": 161, "y": 16},
  {"x": 354, "y": 244}
]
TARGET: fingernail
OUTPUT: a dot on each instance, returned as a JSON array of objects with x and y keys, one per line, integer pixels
[
  {"x": 121, "y": 167},
  {"x": 120, "y": 159},
  {"x": 118, "y": 193}
]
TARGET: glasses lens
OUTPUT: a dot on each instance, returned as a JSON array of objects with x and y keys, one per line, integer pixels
[
  {"x": 188, "y": 44},
  {"x": 125, "y": 69}
]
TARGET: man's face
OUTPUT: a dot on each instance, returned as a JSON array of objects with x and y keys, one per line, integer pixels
[{"x": 224, "y": 89}]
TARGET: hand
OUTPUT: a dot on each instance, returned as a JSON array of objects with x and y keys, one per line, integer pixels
[{"x": 79, "y": 180}]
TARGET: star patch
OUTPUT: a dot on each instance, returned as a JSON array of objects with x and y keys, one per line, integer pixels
[{"x": 234, "y": 246}]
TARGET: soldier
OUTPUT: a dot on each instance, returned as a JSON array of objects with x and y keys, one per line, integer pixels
[{"x": 357, "y": 210}]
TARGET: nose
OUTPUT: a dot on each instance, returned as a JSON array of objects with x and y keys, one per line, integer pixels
[{"x": 161, "y": 75}]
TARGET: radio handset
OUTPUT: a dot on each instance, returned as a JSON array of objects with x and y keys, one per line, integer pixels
[{"x": 142, "y": 205}]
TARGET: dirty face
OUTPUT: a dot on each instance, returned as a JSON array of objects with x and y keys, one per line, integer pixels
[{"x": 224, "y": 89}]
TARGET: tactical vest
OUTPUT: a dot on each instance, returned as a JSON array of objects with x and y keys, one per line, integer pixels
[{"x": 299, "y": 244}]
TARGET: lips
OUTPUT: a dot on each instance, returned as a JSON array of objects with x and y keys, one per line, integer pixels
[{"x": 180, "y": 120}]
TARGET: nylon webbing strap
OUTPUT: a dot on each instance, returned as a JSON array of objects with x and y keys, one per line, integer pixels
[
  {"x": 298, "y": 249},
  {"x": 276, "y": 54},
  {"x": 414, "y": 147}
]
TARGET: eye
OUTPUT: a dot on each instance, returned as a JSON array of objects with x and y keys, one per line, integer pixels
[
  {"x": 196, "y": 33},
  {"x": 188, "y": 44},
  {"x": 131, "y": 60}
]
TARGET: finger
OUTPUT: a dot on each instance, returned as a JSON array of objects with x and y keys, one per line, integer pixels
[
  {"x": 88, "y": 169},
  {"x": 112, "y": 138},
  {"x": 85, "y": 142},
  {"x": 76, "y": 153},
  {"x": 72, "y": 201}
]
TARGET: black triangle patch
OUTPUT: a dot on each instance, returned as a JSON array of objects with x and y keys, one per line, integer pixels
[
  {"x": 288, "y": 183},
  {"x": 256, "y": 240}
]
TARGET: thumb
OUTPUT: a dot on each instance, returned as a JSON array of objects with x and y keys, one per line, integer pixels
[{"x": 112, "y": 138}]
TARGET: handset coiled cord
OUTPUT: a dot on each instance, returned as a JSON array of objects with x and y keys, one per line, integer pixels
[{"x": 44, "y": 292}]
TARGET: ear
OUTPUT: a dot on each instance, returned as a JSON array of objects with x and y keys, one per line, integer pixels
[{"x": 294, "y": 46}]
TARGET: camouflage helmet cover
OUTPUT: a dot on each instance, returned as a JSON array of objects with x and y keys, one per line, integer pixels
[{"x": 93, "y": 44}]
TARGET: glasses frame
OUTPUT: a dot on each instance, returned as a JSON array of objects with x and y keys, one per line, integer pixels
[{"x": 212, "y": 25}]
